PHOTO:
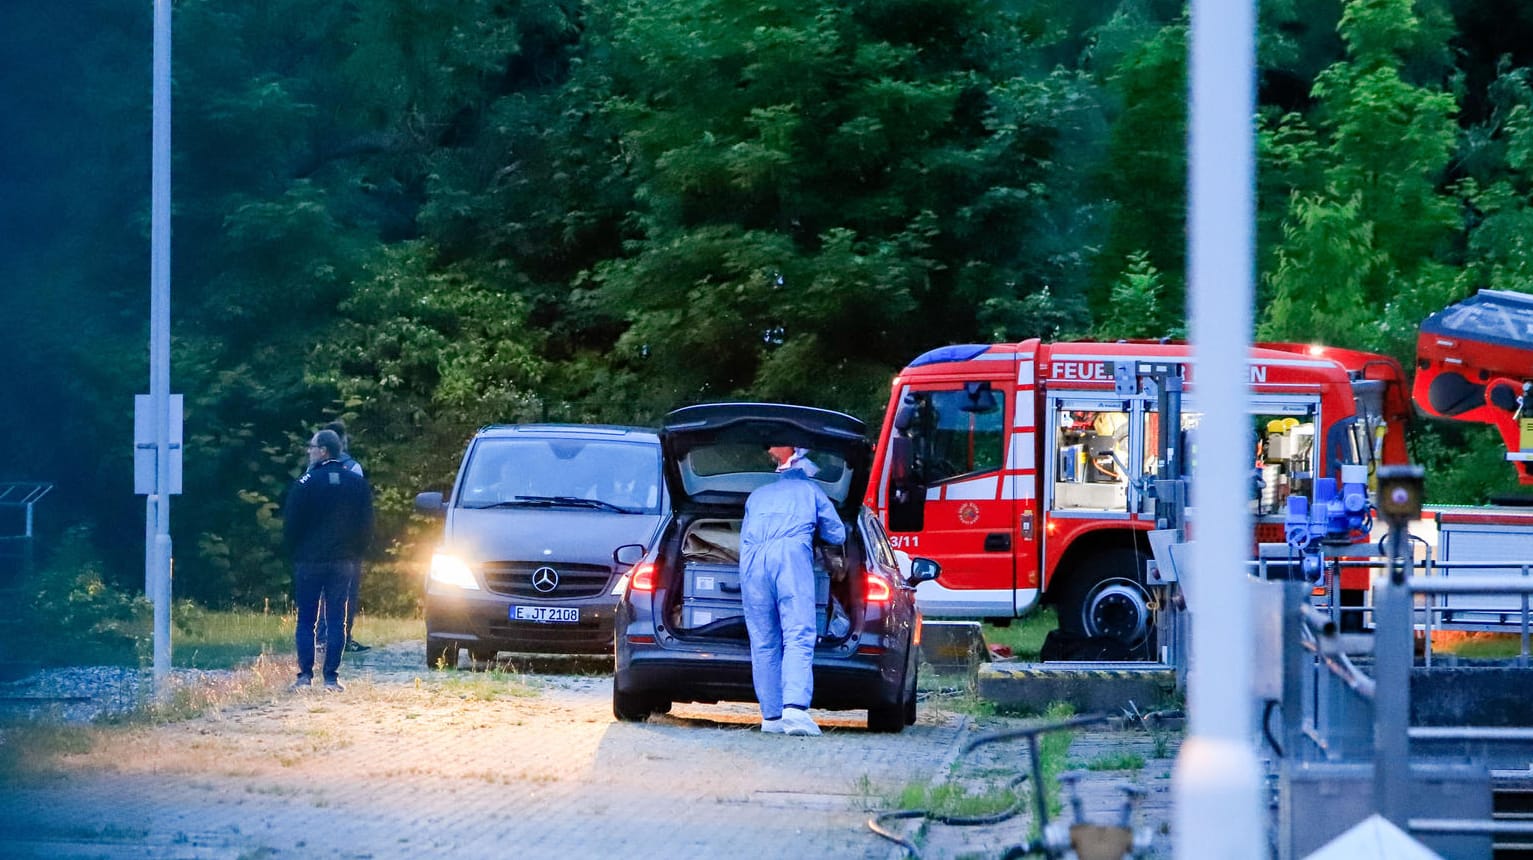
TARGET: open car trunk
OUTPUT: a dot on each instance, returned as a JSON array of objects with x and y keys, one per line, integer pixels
[{"x": 705, "y": 603}]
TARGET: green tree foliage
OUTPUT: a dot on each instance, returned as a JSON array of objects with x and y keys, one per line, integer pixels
[
  {"x": 825, "y": 190},
  {"x": 1373, "y": 242},
  {"x": 422, "y": 358},
  {"x": 1499, "y": 154},
  {"x": 426, "y": 216},
  {"x": 1133, "y": 308},
  {"x": 1147, "y": 169}
]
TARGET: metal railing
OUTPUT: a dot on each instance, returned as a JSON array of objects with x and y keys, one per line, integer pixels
[
  {"x": 1436, "y": 612},
  {"x": 1338, "y": 711}
]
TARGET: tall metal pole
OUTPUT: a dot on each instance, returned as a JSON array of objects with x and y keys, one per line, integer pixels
[
  {"x": 1393, "y": 644},
  {"x": 1216, "y": 782},
  {"x": 157, "y": 578}
]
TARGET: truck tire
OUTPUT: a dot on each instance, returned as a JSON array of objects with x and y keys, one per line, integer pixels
[{"x": 1106, "y": 597}]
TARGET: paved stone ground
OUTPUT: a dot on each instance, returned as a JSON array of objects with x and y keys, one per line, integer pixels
[{"x": 417, "y": 764}]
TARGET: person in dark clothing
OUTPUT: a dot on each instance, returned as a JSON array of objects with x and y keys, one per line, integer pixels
[
  {"x": 354, "y": 590},
  {"x": 339, "y": 428},
  {"x": 327, "y": 524}
]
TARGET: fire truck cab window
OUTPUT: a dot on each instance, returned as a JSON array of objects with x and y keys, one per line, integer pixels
[
  {"x": 955, "y": 437},
  {"x": 1093, "y": 468}
]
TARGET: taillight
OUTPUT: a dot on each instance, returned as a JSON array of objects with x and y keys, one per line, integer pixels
[
  {"x": 878, "y": 589},
  {"x": 642, "y": 577}
]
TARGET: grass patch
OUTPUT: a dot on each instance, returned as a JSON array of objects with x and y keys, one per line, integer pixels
[
  {"x": 496, "y": 682},
  {"x": 961, "y": 799},
  {"x": 259, "y": 680},
  {"x": 26, "y": 748},
  {"x": 1024, "y": 636},
  {"x": 1121, "y": 760},
  {"x": 1477, "y": 646},
  {"x": 977, "y": 785},
  {"x": 223, "y": 640}
]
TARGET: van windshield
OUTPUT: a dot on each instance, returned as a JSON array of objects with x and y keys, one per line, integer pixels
[{"x": 621, "y": 477}]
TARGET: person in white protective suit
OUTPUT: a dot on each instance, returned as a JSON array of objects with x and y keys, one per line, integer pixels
[{"x": 777, "y": 588}]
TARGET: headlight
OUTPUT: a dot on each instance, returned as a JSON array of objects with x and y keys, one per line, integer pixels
[{"x": 451, "y": 570}]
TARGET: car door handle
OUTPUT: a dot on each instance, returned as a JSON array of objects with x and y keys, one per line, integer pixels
[{"x": 998, "y": 542}]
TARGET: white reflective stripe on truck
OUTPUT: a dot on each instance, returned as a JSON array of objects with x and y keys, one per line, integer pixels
[
  {"x": 1020, "y": 453},
  {"x": 936, "y": 601}
]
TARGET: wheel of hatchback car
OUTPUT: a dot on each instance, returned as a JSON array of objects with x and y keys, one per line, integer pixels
[
  {"x": 888, "y": 717},
  {"x": 893, "y": 717},
  {"x": 635, "y": 707},
  {"x": 441, "y": 655},
  {"x": 910, "y": 697}
]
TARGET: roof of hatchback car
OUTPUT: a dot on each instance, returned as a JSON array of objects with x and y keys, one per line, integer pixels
[{"x": 582, "y": 430}]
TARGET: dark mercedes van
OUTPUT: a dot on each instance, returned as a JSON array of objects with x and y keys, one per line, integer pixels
[{"x": 531, "y": 527}]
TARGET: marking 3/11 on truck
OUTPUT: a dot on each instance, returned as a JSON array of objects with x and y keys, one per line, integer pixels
[{"x": 1101, "y": 371}]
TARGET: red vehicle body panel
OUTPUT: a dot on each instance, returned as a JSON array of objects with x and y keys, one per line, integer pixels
[
  {"x": 1471, "y": 362},
  {"x": 1001, "y": 544}
]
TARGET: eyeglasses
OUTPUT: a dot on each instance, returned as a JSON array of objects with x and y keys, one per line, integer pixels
[{"x": 316, "y": 447}]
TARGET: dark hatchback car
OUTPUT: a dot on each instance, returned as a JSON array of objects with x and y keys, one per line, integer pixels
[
  {"x": 526, "y": 561},
  {"x": 680, "y": 630}
]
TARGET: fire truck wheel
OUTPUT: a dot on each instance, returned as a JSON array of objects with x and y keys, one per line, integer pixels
[{"x": 1107, "y": 598}]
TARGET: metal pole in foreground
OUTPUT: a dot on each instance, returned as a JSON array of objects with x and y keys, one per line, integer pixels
[
  {"x": 158, "y": 555},
  {"x": 1216, "y": 783}
]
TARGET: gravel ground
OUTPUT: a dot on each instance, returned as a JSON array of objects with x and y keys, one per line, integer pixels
[
  {"x": 410, "y": 763},
  {"x": 85, "y": 694}
]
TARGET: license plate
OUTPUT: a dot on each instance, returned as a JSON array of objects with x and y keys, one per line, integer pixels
[{"x": 545, "y": 614}]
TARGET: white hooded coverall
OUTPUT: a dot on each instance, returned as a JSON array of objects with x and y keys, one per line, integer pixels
[{"x": 777, "y": 584}]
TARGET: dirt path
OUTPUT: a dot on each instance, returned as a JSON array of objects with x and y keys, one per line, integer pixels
[{"x": 410, "y": 763}]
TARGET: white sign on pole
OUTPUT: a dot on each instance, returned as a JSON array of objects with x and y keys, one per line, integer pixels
[{"x": 144, "y": 447}]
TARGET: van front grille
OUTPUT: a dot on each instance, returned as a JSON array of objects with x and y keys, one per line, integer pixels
[{"x": 515, "y": 578}]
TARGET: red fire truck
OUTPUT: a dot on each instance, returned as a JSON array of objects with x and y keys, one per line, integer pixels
[{"x": 1026, "y": 468}]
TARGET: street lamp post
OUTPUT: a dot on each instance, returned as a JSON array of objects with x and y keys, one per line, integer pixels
[{"x": 157, "y": 516}]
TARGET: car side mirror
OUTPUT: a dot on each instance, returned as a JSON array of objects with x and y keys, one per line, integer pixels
[
  {"x": 923, "y": 570},
  {"x": 628, "y": 554},
  {"x": 430, "y": 503}
]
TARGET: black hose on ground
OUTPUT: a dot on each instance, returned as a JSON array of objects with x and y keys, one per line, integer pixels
[{"x": 876, "y": 823}]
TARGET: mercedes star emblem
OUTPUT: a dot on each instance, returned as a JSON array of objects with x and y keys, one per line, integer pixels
[{"x": 545, "y": 579}]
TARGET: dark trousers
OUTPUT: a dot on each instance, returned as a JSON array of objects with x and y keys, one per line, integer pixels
[
  {"x": 353, "y": 600},
  {"x": 314, "y": 581}
]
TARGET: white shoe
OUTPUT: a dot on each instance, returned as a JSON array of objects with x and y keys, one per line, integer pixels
[
  {"x": 798, "y": 722},
  {"x": 773, "y": 727}
]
